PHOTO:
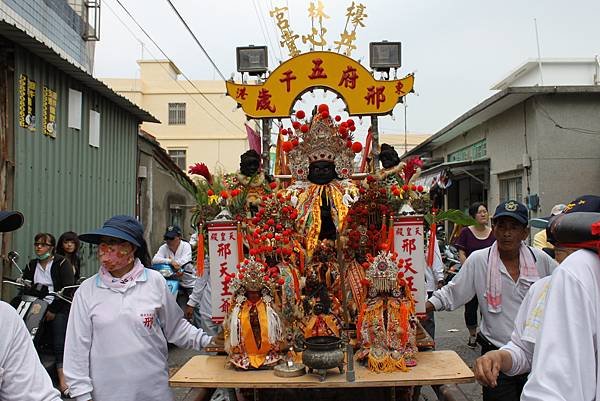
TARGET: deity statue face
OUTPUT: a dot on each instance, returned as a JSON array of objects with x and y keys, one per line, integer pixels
[
  {"x": 321, "y": 172},
  {"x": 388, "y": 156},
  {"x": 249, "y": 163},
  {"x": 253, "y": 296}
]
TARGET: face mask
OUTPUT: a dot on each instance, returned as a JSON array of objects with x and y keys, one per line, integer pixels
[
  {"x": 117, "y": 256},
  {"x": 45, "y": 256}
]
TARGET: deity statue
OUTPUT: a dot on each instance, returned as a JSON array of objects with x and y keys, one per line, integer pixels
[
  {"x": 251, "y": 181},
  {"x": 321, "y": 294},
  {"x": 321, "y": 165},
  {"x": 387, "y": 324},
  {"x": 253, "y": 329}
]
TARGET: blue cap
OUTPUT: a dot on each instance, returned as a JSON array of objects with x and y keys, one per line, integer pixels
[
  {"x": 584, "y": 203},
  {"x": 10, "y": 221},
  {"x": 122, "y": 227},
  {"x": 514, "y": 209},
  {"x": 172, "y": 232}
]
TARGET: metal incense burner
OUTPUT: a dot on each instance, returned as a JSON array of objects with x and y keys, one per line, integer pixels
[{"x": 321, "y": 353}]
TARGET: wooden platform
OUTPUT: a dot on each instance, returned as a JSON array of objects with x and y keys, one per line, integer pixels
[{"x": 436, "y": 367}]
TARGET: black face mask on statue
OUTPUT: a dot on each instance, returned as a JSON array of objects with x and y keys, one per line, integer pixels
[
  {"x": 249, "y": 163},
  {"x": 322, "y": 172},
  {"x": 388, "y": 156}
]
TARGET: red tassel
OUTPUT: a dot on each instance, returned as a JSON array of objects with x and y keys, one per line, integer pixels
[
  {"x": 383, "y": 231},
  {"x": 200, "y": 253},
  {"x": 240, "y": 243},
  {"x": 431, "y": 245},
  {"x": 391, "y": 238}
]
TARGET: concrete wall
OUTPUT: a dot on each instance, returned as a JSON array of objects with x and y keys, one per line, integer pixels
[
  {"x": 564, "y": 163},
  {"x": 159, "y": 190},
  {"x": 568, "y": 162},
  {"x": 55, "y": 23}
]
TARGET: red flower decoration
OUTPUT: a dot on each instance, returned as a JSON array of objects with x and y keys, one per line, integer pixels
[
  {"x": 201, "y": 169},
  {"x": 596, "y": 228},
  {"x": 420, "y": 188},
  {"x": 325, "y": 114},
  {"x": 224, "y": 194},
  {"x": 338, "y": 118},
  {"x": 300, "y": 114},
  {"x": 210, "y": 192},
  {"x": 357, "y": 147},
  {"x": 235, "y": 192},
  {"x": 296, "y": 125},
  {"x": 304, "y": 128},
  {"x": 287, "y": 146},
  {"x": 323, "y": 107},
  {"x": 273, "y": 185},
  {"x": 295, "y": 142}
]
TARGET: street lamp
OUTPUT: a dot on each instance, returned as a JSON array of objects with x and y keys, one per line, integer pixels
[
  {"x": 252, "y": 59},
  {"x": 384, "y": 55}
]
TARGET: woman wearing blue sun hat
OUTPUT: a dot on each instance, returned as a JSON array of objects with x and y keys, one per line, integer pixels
[{"x": 121, "y": 321}]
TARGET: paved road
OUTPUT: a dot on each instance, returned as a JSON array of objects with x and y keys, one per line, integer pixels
[{"x": 445, "y": 339}]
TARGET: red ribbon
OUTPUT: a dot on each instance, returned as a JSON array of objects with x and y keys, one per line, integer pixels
[
  {"x": 431, "y": 245},
  {"x": 200, "y": 254}
]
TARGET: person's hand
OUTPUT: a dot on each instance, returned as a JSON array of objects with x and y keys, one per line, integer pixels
[
  {"x": 487, "y": 368},
  {"x": 175, "y": 265},
  {"x": 429, "y": 307},
  {"x": 189, "y": 312},
  {"x": 440, "y": 284},
  {"x": 50, "y": 316}
]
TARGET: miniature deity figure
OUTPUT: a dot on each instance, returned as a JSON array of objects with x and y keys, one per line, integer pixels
[
  {"x": 253, "y": 329},
  {"x": 250, "y": 180},
  {"x": 321, "y": 294},
  {"x": 386, "y": 326}
]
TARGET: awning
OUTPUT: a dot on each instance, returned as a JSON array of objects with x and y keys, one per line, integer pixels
[{"x": 431, "y": 176}]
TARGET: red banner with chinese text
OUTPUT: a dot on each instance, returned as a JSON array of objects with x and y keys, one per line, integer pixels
[
  {"x": 408, "y": 243},
  {"x": 223, "y": 255}
]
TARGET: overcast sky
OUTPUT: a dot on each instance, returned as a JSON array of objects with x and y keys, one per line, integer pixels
[{"x": 457, "y": 48}]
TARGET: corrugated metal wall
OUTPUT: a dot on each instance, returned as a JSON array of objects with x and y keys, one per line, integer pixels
[{"x": 64, "y": 183}]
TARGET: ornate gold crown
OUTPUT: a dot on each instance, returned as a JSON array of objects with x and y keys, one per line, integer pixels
[
  {"x": 321, "y": 143},
  {"x": 382, "y": 273},
  {"x": 253, "y": 275}
]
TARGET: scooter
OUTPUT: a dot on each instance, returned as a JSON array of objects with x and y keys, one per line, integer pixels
[
  {"x": 451, "y": 261},
  {"x": 32, "y": 307},
  {"x": 169, "y": 274}
]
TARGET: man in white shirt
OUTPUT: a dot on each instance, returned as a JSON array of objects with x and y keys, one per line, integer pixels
[
  {"x": 178, "y": 254},
  {"x": 434, "y": 279},
  {"x": 566, "y": 359},
  {"x": 22, "y": 376},
  {"x": 499, "y": 276}
]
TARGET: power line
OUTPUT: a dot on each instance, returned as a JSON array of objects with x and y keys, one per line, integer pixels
[
  {"x": 185, "y": 76},
  {"x": 264, "y": 32},
  {"x": 261, "y": 15},
  {"x": 196, "y": 39},
  {"x": 165, "y": 68}
]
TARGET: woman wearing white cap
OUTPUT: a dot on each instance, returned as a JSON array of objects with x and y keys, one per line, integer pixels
[{"x": 121, "y": 321}]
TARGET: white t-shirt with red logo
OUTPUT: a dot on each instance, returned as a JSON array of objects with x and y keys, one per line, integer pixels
[{"x": 116, "y": 344}]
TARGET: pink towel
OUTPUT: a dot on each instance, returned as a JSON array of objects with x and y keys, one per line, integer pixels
[{"x": 527, "y": 269}]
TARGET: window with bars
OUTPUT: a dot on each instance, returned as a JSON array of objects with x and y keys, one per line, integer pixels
[
  {"x": 511, "y": 189},
  {"x": 178, "y": 156},
  {"x": 176, "y": 113}
]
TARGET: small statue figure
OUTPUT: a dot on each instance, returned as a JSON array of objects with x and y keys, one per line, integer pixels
[
  {"x": 253, "y": 329},
  {"x": 386, "y": 326},
  {"x": 251, "y": 181}
]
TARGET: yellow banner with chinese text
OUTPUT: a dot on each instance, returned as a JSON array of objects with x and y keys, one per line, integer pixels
[{"x": 363, "y": 94}]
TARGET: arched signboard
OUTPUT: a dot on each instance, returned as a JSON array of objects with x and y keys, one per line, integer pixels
[{"x": 363, "y": 94}]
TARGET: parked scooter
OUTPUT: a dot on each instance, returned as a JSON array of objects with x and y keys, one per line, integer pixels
[
  {"x": 169, "y": 274},
  {"x": 451, "y": 261}
]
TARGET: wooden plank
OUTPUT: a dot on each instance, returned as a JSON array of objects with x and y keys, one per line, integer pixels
[{"x": 437, "y": 367}]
